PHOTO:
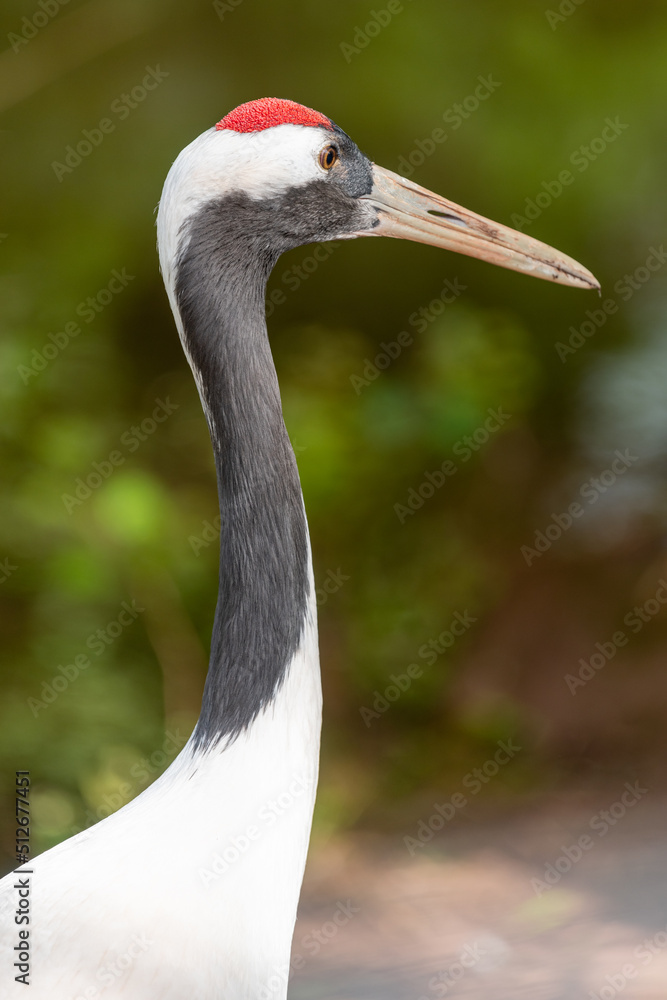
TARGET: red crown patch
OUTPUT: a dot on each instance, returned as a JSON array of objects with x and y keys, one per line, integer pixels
[{"x": 255, "y": 116}]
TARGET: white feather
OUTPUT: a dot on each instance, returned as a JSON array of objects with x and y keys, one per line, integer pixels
[{"x": 190, "y": 891}]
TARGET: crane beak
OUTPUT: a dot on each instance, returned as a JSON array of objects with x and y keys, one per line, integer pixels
[{"x": 407, "y": 211}]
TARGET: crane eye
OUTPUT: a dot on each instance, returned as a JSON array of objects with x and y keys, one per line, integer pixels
[{"x": 328, "y": 157}]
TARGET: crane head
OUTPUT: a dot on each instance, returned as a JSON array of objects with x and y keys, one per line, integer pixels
[{"x": 294, "y": 177}]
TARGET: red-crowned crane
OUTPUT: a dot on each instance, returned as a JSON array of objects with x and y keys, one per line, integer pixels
[{"x": 190, "y": 891}]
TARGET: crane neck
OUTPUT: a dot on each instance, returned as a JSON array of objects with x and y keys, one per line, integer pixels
[{"x": 265, "y": 579}]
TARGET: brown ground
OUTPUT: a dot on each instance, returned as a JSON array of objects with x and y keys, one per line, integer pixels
[{"x": 377, "y": 923}]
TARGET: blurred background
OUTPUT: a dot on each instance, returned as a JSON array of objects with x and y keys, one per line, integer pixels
[{"x": 521, "y": 603}]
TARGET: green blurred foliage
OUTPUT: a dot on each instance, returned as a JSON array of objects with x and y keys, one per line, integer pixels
[{"x": 144, "y": 533}]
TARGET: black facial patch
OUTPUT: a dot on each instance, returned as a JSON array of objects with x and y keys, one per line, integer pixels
[{"x": 356, "y": 169}]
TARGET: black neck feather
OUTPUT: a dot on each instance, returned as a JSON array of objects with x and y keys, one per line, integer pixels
[{"x": 262, "y": 603}]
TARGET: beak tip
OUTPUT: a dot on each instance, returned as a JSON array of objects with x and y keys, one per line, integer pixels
[
  {"x": 588, "y": 281},
  {"x": 407, "y": 211}
]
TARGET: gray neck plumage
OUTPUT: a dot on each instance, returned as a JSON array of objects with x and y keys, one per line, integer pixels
[{"x": 264, "y": 554}]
